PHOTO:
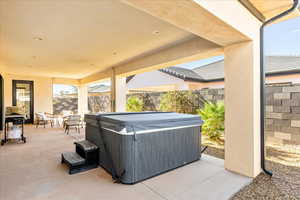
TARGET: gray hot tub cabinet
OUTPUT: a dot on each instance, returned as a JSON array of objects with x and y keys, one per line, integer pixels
[{"x": 142, "y": 145}]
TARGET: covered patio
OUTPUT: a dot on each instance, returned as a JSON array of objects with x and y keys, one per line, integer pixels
[
  {"x": 33, "y": 171},
  {"x": 79, "y": 43}
]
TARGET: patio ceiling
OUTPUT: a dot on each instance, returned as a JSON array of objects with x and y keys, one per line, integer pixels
[
  {"x": 84, "y": 39},
  {"x": 73, "y": 39}
]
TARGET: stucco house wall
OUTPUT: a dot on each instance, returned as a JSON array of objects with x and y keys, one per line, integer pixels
[
  {"x": 159, "y": 81},
  {"x": 43, "y": 91},
  {"x": 153, "y": 79}
]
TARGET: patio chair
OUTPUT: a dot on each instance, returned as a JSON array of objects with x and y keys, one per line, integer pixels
[
  {"x": 65, "y": 115},
  {"x": 72, "y": 121},
  {"x": 43, "y": 119}
]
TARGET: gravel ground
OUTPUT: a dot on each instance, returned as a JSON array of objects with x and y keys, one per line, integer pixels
[{"x": 285, "y": 182}]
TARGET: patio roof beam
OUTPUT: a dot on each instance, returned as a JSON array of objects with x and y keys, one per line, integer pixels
[
  {"x": 192, "y": 49},
  {"x": 102, "y": 75},
  {"x": 66, "y": 81}
]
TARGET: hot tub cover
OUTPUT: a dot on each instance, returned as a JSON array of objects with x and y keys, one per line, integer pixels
[
  {"x": 145, "y": 122},
  {"x": 137, "y": 146}
]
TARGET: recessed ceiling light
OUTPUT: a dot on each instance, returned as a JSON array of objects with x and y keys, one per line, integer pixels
[
  {"x": 155, "y": 32},
  {"x": 38, "y": 38}
]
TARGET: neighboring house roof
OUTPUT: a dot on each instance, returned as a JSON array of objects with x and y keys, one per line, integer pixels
[
  {"x": 183, "y": 73},
  {"x": 282, "y": 64},
  {"x": 178, "y": 72},
  {"x": 213, "y": 71},
  {"x": 99, "y": 88},
  {"x": 275, "y": 65},
  {"x": 128, "y": 78}
]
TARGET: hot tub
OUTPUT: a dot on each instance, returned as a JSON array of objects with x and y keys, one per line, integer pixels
[{"x": 137, "y": 146}]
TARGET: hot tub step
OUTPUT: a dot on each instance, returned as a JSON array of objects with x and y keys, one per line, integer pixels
[
  {"x": 85, "y": 157},
  {"x": 86, "y": 146},
  {"x": 74, "y": 161},
  {"x": 73, "y": 158}
]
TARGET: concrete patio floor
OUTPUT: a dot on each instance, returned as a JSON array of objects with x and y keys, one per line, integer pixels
[{"x": 33, "y": 171}]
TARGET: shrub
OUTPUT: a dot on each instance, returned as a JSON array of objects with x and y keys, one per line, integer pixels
[
  {"x": 134, "y": 104},
  {"x": 177, "y": 101},
  {"x": 213, "y": 115}
]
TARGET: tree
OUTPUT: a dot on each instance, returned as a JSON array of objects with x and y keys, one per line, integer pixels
[
  {"x": 213, "y": 115},
  {"x": 134, "y": 104},
  {"x": 177, "y": 101}
]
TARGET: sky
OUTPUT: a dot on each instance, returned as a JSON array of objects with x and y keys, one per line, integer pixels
[
  {"x": 58, "y": 88},
  {"x": 280, "y": 39}
]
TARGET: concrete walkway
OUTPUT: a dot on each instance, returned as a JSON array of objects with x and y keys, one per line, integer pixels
[{"x": 32, "y": 171}]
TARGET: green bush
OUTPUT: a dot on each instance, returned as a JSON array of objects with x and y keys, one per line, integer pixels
[
  {"x": 177, "y": 101},
  {"x": 213, "y": 115},
  {"x": 134, "y": 104}
]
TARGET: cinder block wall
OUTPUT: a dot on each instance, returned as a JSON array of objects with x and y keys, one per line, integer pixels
[
  {"x": 152, "y": 99},
  {"x": 65, "y": 104},
  {"x": 100, "y": 103},
  {"x": 282, "y": 123}
]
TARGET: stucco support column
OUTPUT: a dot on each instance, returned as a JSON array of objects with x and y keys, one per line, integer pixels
[
  {"x": 118, "y": 93},
  {"x": 82, "y": 99},
  {"x": 121, "y": 91},
  {"x": 242, "y": 108}
]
